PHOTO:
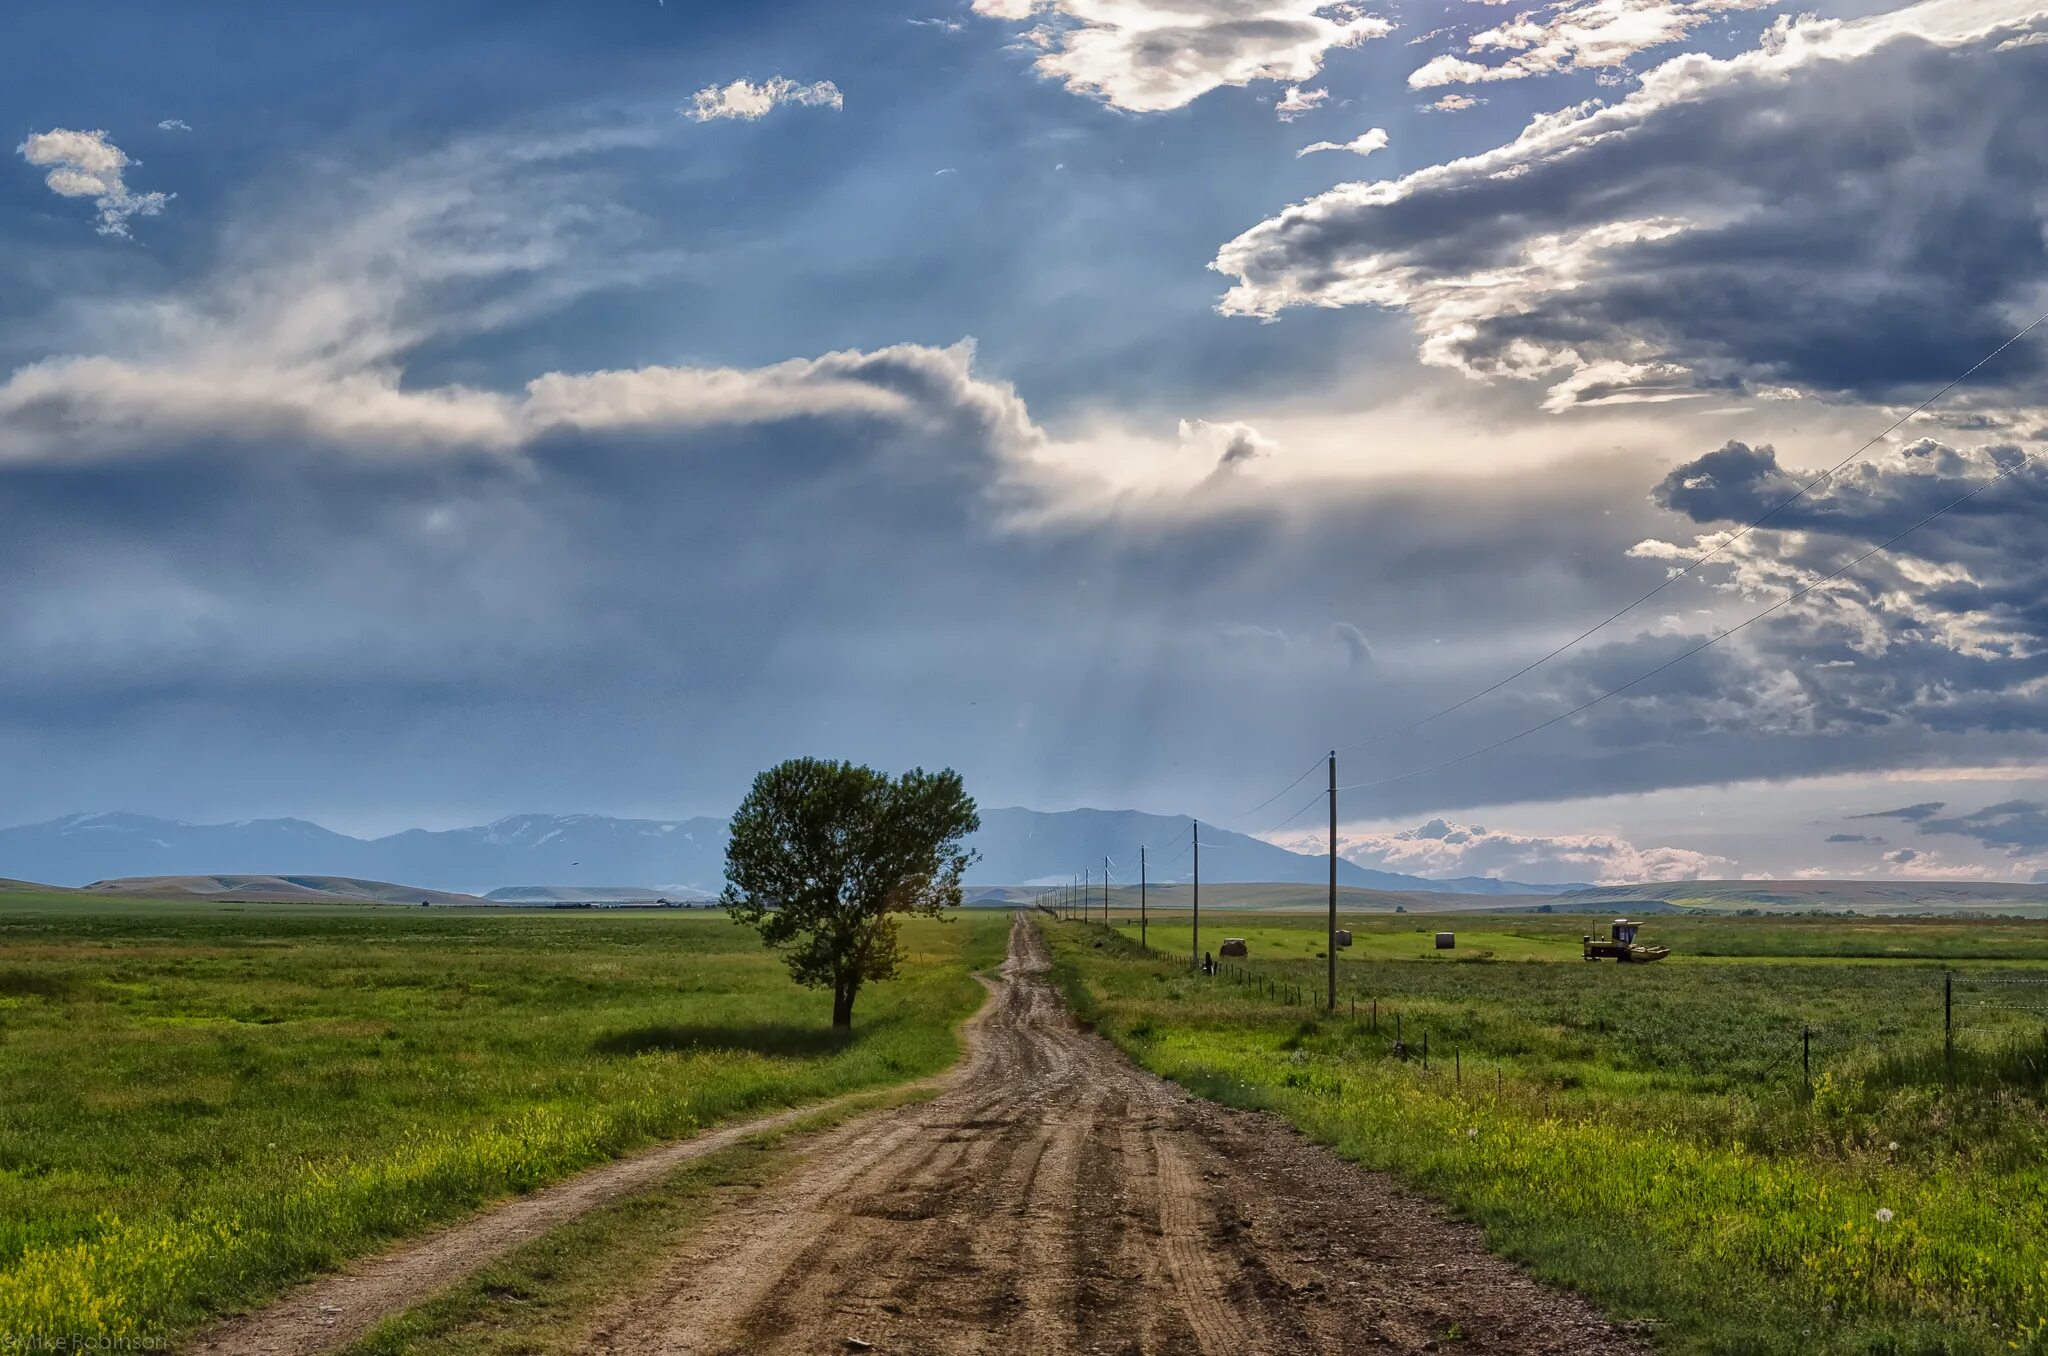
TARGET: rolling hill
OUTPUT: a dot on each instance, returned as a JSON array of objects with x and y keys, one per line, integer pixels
[
  {"x": 283, "y": 889},
  {"x": 592, "y": 894}
]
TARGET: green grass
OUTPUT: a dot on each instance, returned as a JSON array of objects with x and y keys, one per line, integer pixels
[
  {"x": 1530, "y": 936},
  {"x": 208, "y": 1102},
  {"x": 1646, "y": 1134}
]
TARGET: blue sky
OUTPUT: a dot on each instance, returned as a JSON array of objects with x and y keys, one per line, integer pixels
[{"x": 576, "y": 408}]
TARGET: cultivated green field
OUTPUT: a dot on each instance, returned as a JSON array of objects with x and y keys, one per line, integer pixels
[
  {"x": 206, "y": 1102},
  {"x": 1648, "y": 1134}
]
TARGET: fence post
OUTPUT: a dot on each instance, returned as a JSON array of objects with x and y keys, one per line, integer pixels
[
  {"x": 1806, "y": 1056},
  {"x": 1458, "y": 1066},
  {"x": 1425, "y": 1049},
  {"x": 1948, "y": 1027}
]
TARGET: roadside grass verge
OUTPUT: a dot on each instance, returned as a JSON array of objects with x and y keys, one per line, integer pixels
[
  {"x": 1645, "y": 1135},
  {"x": 206, "y": 1103},
  {"x": 547, "y": 1295}
]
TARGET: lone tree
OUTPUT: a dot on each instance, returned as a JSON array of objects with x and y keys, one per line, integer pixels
[{"x": 823, "y": 855}]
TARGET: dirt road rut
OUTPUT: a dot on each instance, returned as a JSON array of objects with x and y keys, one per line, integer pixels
[{"x": 1057, "y": 1199}]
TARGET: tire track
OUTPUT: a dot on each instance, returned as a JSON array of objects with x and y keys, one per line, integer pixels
[{"x": 1057, "y": 1199}]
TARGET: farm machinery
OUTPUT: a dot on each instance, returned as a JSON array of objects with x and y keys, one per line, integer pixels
[{"x": 1621, "y": 944}]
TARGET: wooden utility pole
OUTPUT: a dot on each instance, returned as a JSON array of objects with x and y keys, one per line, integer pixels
[
  {"x": 1332, "y": 1005},
  {"x": 1948, "y": 1027},
  {"x": 1141, "y": 898},
  {"x": 1105, "y": 891},
  {"x": 1195, "y": 837}
]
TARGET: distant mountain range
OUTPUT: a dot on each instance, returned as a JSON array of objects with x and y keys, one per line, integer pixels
[{"x": 585, "y": 852}]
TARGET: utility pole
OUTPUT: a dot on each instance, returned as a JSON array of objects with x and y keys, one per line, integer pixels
[
  {"x": 1085, "y": 895},
  {"x": 1195, "y": 837},
  {"x": 1332, "y": 1006},
  {"x": 1141, "y": 898},
  {"x": 1105, "y": 891},
  {"x": 1948, "y": 1027}
]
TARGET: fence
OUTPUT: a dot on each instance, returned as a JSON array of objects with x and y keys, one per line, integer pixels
[{"x": 1887, "y": 1023}]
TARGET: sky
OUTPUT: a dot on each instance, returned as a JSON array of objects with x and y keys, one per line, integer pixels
[{"x": 411, "y": 415}]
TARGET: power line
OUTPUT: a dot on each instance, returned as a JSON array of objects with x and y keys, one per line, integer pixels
[
  {"x": 1788, "y": 599},
  {"x": 1308, "y": 805},
  {"x": 1704, "y": 557},
  {"x": 1281, "y": 792}
]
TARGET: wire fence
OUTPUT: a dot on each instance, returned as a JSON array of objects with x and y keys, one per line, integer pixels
[{"x": 1964, "y": 1028}]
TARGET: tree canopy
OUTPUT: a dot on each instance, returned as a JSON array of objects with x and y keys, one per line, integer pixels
[{"x": 823, "y": 855}]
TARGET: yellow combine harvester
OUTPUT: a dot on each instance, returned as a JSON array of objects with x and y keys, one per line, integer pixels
[{"x": 1621, "y": 944}]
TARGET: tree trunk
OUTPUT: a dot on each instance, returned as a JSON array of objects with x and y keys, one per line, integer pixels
[{"x": 842, "y": 1002}]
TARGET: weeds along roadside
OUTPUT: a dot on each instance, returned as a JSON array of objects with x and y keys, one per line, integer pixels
[
  {"x": 549, "y": 1294},
  {"x": 1873, "y": 1216},
  {"x": 206, "y": 1107}
]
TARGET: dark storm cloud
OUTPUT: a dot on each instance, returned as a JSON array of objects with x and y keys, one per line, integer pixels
[
  {"x": 1914, "y": 814},
  {"x": 625, "y": 606},
  {"x": 1870, "y": 500},
  {"x": 2015, "y": 827},
  {"x": 1940, "y": 635},
  {"x": 630, "y": 611},
  {"x": 1759, "y": 221},
  {"x": 1852, "y": 838}
]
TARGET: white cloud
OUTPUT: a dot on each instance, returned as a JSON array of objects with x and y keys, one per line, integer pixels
[
  {"x": 1454, "y": 103},
  {"x": 748, "y": 101},
  {"x": 908, "y": 384},
  {"x": 1921, "y": 864},
  {"x": 1365, "y": 143},
  {"x": 1297, "y": 101},
  {"x": 1578, "y": 252},
  {"x": 87, "y": 165},
  {"x": 1150, "y": 55},
  {"x": 94, "y": 406},
  {"x": 1592, "y": 35},
  {"x": 174, "y": 125},
  {"x": 1441, "y": 848},
  {"x": 303, "y": 333}
]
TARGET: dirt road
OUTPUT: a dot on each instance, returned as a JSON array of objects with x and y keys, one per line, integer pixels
[{"x": 1057, "y": 1199}]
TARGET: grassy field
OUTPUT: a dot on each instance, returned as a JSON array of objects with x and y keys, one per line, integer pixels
[
  {"x": 1649, "y": 1134},
  {"x": 207, "y": 1102}
]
